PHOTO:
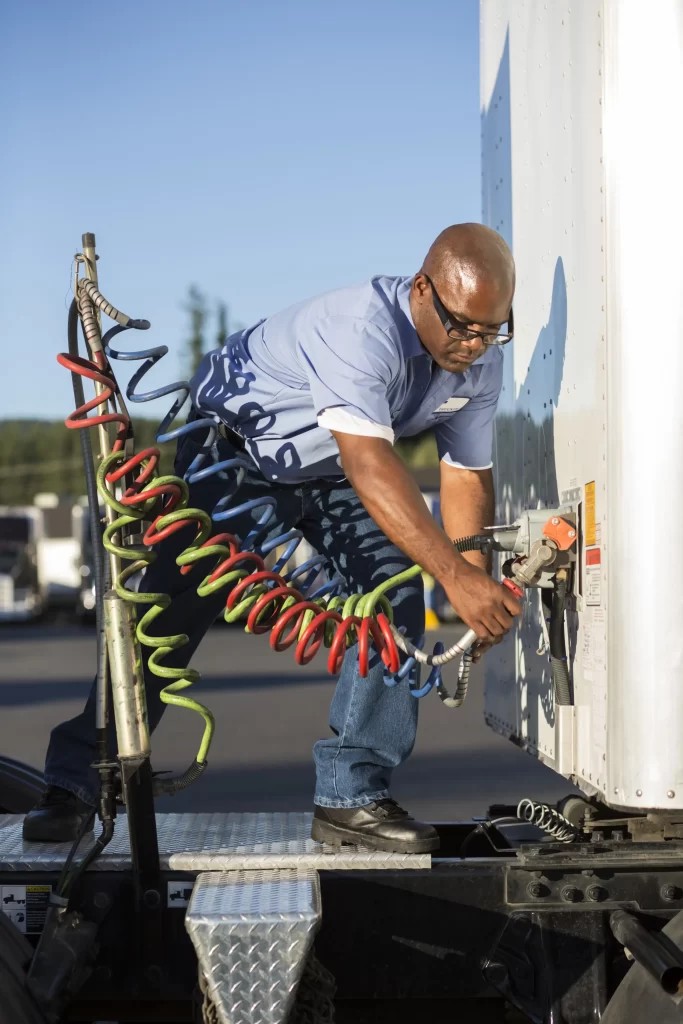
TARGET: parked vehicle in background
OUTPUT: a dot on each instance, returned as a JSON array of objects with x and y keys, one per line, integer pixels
[
  {"x": 21, "y": 594},
  {"x": 59, "y": 551},
  {"x": 86, "y": 569}
]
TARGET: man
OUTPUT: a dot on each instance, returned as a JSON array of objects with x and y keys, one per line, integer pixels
[{"x": 316, "y": 396}]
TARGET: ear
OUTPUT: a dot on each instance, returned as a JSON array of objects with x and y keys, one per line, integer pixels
[{"x": 420, "y": 286}]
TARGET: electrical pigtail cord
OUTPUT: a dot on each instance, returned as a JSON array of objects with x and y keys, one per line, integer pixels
[{"x": 268, "y": 600}]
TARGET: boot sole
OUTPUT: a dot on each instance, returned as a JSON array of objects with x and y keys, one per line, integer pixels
[{"x": 336, "y": 837}]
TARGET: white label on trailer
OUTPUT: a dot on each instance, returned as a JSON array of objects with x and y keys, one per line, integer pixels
[
  {"x": 593, "y": 577},
  {"x": 587, "y": 661},
  {"x": 179, "y": 892},
  {"x": 26, "y": 906},
  {"x": 593, "y": 586},
  {"x": 599, "y": 687}
]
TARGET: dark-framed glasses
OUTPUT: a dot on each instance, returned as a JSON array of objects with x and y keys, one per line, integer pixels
[{"x": 456, "y": 329}]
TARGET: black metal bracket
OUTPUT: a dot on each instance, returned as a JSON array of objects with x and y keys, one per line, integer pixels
[{"x": 138, "y": 792}]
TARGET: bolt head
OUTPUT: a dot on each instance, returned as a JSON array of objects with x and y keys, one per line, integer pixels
[
  {"x": 596, "y": 893},
  {"x": 495, "y": 972},
  {"x": 670, "y": 893},
  {"x": 535, "y": 890},
  {"x": 154, "y": 976},
  {"x": 572, "y": 533},
  {"x": 671, "y": 794},
  {"x": 570, "y": 894},
  {"x": 639, "y": 792},
  {"x": 152, "y": 898},
  {"x": 555, "y": 521}
]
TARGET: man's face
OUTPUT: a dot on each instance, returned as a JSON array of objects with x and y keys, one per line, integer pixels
[{"x": 481, "y": 308}]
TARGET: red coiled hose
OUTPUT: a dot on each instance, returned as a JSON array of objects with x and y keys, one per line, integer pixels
[{"x": 268, "y": 612}]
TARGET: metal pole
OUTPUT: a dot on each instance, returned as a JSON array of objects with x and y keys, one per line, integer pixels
[
  {"x": 90, "y": 255},
  {"x": 130, "y": 713}
]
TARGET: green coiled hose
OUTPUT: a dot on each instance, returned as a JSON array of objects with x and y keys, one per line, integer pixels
[{"x": 142, "y": 556}]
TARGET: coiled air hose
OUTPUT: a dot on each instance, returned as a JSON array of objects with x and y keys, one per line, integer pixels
[
  {"x": 548, "y": 819},
  {"x": 267, "y": 599},
  {"x": 439, "y": 656}
]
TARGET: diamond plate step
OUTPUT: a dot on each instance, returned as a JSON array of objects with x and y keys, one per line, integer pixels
[
  {"x": 210, "y": 842},
  {"x": 252, "y": 931}
]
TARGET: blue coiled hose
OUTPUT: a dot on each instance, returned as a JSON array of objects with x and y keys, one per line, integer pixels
[{"x": 303, "y": 575}]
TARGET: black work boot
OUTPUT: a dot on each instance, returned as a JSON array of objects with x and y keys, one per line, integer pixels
[
  {"x": 382, "y": 826},
  {"x": 58, "y": 817}
]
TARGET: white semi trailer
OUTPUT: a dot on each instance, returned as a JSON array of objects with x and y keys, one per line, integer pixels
[
  {"x": 580, "y": 155},
  {"x": 581, "y": 174}
]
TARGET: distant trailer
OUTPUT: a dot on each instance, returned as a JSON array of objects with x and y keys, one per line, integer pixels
[{"x": 21, "y": 595}]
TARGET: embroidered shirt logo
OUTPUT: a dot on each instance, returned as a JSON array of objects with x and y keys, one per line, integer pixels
[{"x": 451, "y": 406}]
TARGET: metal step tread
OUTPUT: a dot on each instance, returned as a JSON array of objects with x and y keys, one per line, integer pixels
[
  {"x": 210, "y": 842},
  {"x": 252, "y": 931}
]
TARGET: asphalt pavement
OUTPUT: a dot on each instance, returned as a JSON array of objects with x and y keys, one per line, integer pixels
[{"x": 268, "y": 714}]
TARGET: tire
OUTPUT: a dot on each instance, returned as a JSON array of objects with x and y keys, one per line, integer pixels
[
  {"x": 639, "y": 999},
  {"x": 16, "y": 1004},
  {"x": 21, "y": 786}
]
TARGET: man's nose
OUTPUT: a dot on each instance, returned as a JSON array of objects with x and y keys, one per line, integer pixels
[{"x": 473, "y": 344}]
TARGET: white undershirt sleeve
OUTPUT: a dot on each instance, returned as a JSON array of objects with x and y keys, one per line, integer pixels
[{"x": 339, "y": 418}]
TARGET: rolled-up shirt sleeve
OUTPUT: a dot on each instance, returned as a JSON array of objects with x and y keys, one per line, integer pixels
[
  {"x": 465, "y": 439},
  {"x": 350, "y": 364}
]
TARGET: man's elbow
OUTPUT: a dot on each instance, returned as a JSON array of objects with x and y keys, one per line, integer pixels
[{"x": 457, "y": 477}]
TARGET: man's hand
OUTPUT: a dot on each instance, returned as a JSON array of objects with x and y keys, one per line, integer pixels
[
  {"x": 485, "y": 606},
  {"x": 467, "y": 506},
  {"x": 480, "y": 648}
]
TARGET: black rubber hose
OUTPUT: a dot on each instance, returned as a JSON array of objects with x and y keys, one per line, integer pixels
[
  {"x": 558, "y": 647},
  {"x": 169, "y": 787},
  {"x": 90, "y": 485},
  {"x": 101, "y": 580},
  {"x": 477, "y": 542}
]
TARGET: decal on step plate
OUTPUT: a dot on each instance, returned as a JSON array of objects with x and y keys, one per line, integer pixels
[{"x": 26, "y": 906}]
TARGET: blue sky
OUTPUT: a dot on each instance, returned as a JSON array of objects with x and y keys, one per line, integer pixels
[{"x": 264, "y": 150}]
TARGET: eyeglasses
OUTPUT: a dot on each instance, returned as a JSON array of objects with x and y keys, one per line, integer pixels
[{"x": 456, "y": 329}]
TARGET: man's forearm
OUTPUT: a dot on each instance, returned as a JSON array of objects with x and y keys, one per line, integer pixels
[
  {"x": 394, "y": 501},
  {"x": 467, "y": 505}
]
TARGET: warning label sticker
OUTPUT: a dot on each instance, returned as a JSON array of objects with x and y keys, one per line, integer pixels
[
  {"x": 26, "y": 906},
  {"x": 589, "y": 514},
  {"x": 593, "y": 577}
]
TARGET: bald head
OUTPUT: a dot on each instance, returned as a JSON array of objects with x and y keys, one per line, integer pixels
[
  {"x": 469, "y": 256},
  {"x": 468, "y": 277}
]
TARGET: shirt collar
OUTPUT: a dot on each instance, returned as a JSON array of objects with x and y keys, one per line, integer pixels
[{"x": 410, "y": 341}]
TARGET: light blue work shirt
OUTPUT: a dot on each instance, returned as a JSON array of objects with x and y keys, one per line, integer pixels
[{"x": 352, "y": 352}]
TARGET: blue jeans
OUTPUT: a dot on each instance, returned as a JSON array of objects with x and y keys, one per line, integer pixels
[{"x": 373, "y": 725}]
